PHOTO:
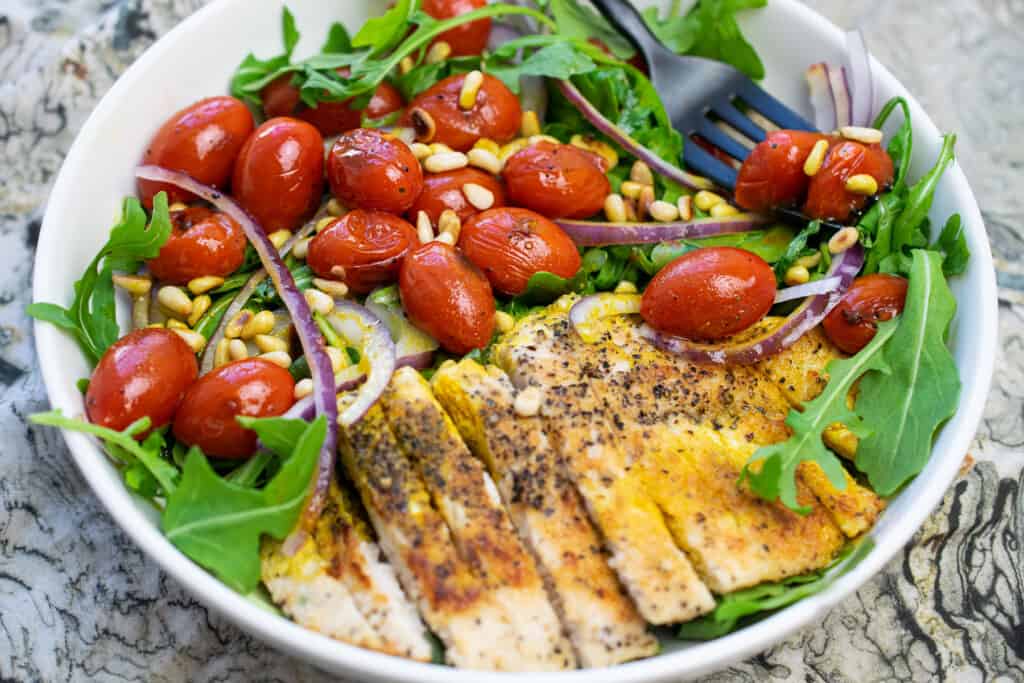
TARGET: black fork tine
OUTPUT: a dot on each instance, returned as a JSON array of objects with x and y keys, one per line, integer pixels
[
  {"x": 703, "y": 162},
  {"x": 722, "y": 140},
  {"x": 772, "y": 109},
  {"x": 735, "y": 118}
]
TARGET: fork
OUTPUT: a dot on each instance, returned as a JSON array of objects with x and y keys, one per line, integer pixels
[{"x": 698, "y": 93}]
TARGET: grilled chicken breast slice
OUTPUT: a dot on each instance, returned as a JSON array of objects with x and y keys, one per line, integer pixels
[
  {"x": 603, "y": 625},
  {"x": 469, "y": 502}
]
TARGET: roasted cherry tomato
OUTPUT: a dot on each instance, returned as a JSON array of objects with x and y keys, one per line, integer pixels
[
  {"x": 870, "y": 300},
  {"x": 828, "y": 198},
  {"x": 496, "y": 114},
  {"x": 709, "y": 293},
  {"x": 444, "y": 191},
  {"x": 143, "y": 374},
  {"x": 511, "y": 245},
  {"x": 281, "y": 98},
  {"x": 467, "y": 39},
  {"x": 253, "y": 387},
  {"x": 202, "y": 140},
  {"x": 279, "y": 174},
  {"x": 773, "y": 175},
  {"x": 559, "y": 181},
  {"x": 374, "y": 170},
  {"x": 445, "y": 295},
  {"x": 202, "y": 242},
  {"x": 369, "y": 245}
]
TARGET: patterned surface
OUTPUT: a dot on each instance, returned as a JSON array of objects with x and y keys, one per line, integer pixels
[{"x": 79, "y": 602}]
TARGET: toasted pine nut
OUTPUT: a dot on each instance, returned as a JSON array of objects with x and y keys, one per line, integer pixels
[
  {"x": 439, "y": 148},
  {"x": 644, "y": 201},
  {"x": 235, "y": 325},
  {"x": 488, "y": 145},
  {"x": 484, "y": 159},
  {"x": 175, "y": 300},
  {"x": 625, "y": 287},
  {"x": 303, "y": 388},
  {"x": 140, "y": 312},
  {"x": 478, "y": 195},
  {"x": 423, "y": 123},
  {"x": 332, "y": 288},
  {"x": 615, "y": 208},
  {"x": 280, "y": 358},
  {"x": 470, "y": 89},
  {"x": 705, "y": 200},
  {"x": 156, "y": 326},
  {"x": 202, "y": 285},
  {"x": 405, "y": 134},
  {"x": 279, "y": 237},
  {"x": 318, "y": 301},
  {"x": 324, "y": 223},
  {"x": 685, "y": 206},
  {"x": 528, "y": 402},
  {"x": 843, "y": 240},
  {"x": 406, "y": 65},
  {"x": 816, "y": 158},
  {"x": 724, "y": 210},
  {"x": 335, "y": 208},
  {"x": 869, "y": 136},
  {"x": 268, "y": 342},
  {"x": 200, "y": 305},
  {"x": 503, "y": 322},
  {"x": 641, "y": 173},
  {"x": 797, "y": 275},
  {"x": 438, "y": 52},
  {"x": 631, "y": 212},
  {"x": 530, "y": 124},
  {"x": 424, "y": 229},
  {"x": 862, "y": 184},
  {"x": 136, "y": 285},
  {"x": 511, "y": 149},
  {"x": 339, "y": 359},
  {"x": 450, "y": 224},
  {"x": 420, "y": 151},
  {"x": 663, "y": 211},
  {"x": 175, "y": 324},
  {"x": 631, "y": 189},
  {"x": 301, "y": 248},
  {"x": 177, "y": 206},
  {"x": 809, "y": 262},
  {"x": 220, "y": 354},
  {"x": 536, "y": 139},
  {"x": 445, "y": 161},
  {"x": 195, "y": 341},
  {"x": 261, "y": 323},
  {"x": 339, "y": 273},
  {"x": 580, "y": 141},
  {"x": 446, "y": 238}
]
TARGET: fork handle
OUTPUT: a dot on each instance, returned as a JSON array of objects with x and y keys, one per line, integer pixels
[{"x": 623, "y": 16}]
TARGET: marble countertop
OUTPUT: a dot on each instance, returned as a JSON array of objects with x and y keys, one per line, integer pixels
[{"x": 79, "y": 602}]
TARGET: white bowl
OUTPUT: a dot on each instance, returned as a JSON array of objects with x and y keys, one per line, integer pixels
[{"x": 196, "y": 59}]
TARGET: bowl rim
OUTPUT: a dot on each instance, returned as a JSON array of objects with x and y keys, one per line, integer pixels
[{"x": 337, "y": 656}]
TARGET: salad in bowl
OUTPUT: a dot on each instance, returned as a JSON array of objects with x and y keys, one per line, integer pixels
[{"x": 429, "y": 343}]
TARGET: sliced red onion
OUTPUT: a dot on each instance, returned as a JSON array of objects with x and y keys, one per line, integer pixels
[
  {"x": 309, "y": 336},
  {"x": 862, "y": 86},
  {"x": 806, "y": 317},
  {"x": 816, "y": 288},
  {"x": 840, "y": 85},
  {"x": 595, "y": 234},
  {"x": 822, "y": 102},
  {"x": 588, "y": 311},
  {"x": 363, "y": 329},
  {"x": 657, "y": 164}
]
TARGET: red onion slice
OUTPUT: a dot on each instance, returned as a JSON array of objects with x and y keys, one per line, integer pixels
[
  {"x": 595, "y": 234},
  {"x": 810, "y": 313},
  {"x": 657, "y": 164},
  {"x": 588, "y": 311},
  {"x": 363, "y": 329},
  {"x": 862, "y": 86},
  {"x": 309, "y": 336},
  {"x": 840, "y": 85},
  {"x": 822, "y": 102},
  {"x": 818, "y": 287}
]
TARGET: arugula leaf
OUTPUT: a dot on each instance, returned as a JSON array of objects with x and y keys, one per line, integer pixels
[
  {"x": 560, "y": 61},
  {"x": 253, "y": 73},
  {"x": 289, "y": 32},
  {"x": 338, "y": 40},
  {"x": 907, "y": 228},
  {"x": 796, "y": 249},
  {"x": 426, "y": 74},
  {"x": 953, "y": 243},
  {"x": 771, "y": 245},
  {"x": 92, "y": 316},
  {"x": 384, "y": 32},
  {"x": 901, "y": 147},
  {"x": 580, "y": 22},
  {"x": 916, "y": 386},
  {"x": 218, "y": 523}
]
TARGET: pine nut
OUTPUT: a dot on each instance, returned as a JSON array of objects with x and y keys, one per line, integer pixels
[
  {"x": 488, "y": 145},
  {"x": 324, "y": 223},
  {"x": 202, "y": 285},
  {"x": 606, "y": 152},
  {"x": 339, "y": 273},
  {"x": 816, "y": 158},
  {"x": 406, "y": 65},
  {"x": 797, "y": 275},
  {"x": 478, "y": 195},
  {"x": 235, "y": 325},
  {"x": 484, "y": 159},
  {"x": 580, "y": 141},
  {"x": 724, "y": 210},
  {"x": 529, "y": 124},
  {"x": 175, "y": 324},
  {"x": 424, "y": 229},
  {"x": 136, "y": 285},
  {"x": 405, "y": 134},
  {"x": 511, "y": 149},
  {"x": 470, "y": 89},
  {"x": 685, "y": 206},
  {"x": 445, "y": 161},
  {"x": 528, "y": 401},
  {"x": 195, "y": 341},
  {"x": 268, "y": 342},
  {"x": 706, "y": 200},
  {"x": 450, "y": 224},
  {"x": 446, "y": 238},
  {"x": 177, "y": 206},
  {"x": 332, "y": 288},
  {"x": 303, "y": 388},
  {"x": 237, "y": 350},
  {"x": 615, "y": 208},
  {"x": 869, "y": 136},
  {"x": 339, "y": 359},
  {"x": 175, "y": 301},
  {"x": 200, "y": 305},
  {"x": 220, "y": 354},
  {"x": 862, "y": 184},
  {"x": 625, "y": 287},
  {"x": 843, "y": 240},
  {"x": 280, "y": 358},
  {"x": 663, "y": 211},
  {"x": 301, "y": 248},
  {"x": 438, "y": 52},
  {"x": 335, "y": 208},
  {"x": 504, "y": 322},
  {"x": 644, "y": 201},
  {"x": 156, "y": 326},
  {"x": 439, "y": 148},
  {"x": 318, "y": 301},
  {"x": 279, "y": 237},
  {"x": 537, "y": 139},
  {"x": 641, "y": 173},
  {"x": 631, "y": 212},
  {"x": 140, "y": 312},
  {"x": 423, "y": 123},
  {"x": 420, "y": 151},
  {"x": 809, "y": 262},
  {"x": 261, "y": 323},
  {"x": 631, "y": 189}
]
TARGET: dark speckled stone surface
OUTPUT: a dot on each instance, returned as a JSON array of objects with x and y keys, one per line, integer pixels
[{"x": 78, "y": 602}]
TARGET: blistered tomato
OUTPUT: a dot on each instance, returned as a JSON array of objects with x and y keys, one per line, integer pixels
[
  {"x": 252, "y": 387},
  {"x": 511, "y": 245},
  {"x": 469, "y": 38},
  {"x": 496, "y": 114},
  {"x": 447, "y": 297},
  {"x": 202, "y": 242},
  {"x": 827, "y": 196},
  {"x": 443, "y": 191},
  {"x": 279, "y": 174},
  {"x": 559, "y": 181},
  {"x": 374, "y": 170},
  {"x": 281, "y": 98},
  {"x": 773, "y": 175},
  {"x": 709, "y": 293},
  {"x": 202, "y": 140},
  {"x": 368, "y": 245},
  {"x": 870, "y": 300},
  {"x": 144, "y": 374}
]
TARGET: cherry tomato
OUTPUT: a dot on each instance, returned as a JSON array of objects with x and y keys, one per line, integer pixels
[
  {"x": 709, "y": 293},
  {"x": 870, "y": 300},
  {"x": 773, "y": 175},
  {"x": 496, "y": 114},
  {"x": 827, "y": 197},
  {"x": 252, "y": 387},
  {"x": 511, "y": 245},
  {"x": 145, "y": 373},
  {"x": 559, "y": 181},
  {"x": 444, "y": 191},
  {"x": 445, "y": 295},
  {"x": 369, "y": 245},
  {"x": 374, "y": 170},
  {"x": 279, "y": 174},
  {"x": 281, "y": 98},
  {"x": 202, "y": 140},
  {"x": 467, "y": 39},
  {"x": 202, "y": 242}
]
